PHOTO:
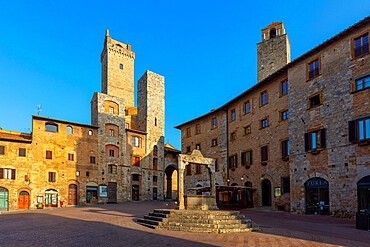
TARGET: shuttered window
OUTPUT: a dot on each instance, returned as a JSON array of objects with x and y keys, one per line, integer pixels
[
  {"x": 284, "y": 148},
  {"x": 315, "y": 139},
  {"x": 2, "y": 150},
  {"x": 22, "y": 152},
  {"x": 188, "y": 169},
  {"x": 198, "y": 169},
  {"x": 92, "y": 159},
  {"x": 233, "y": 161},
  {"x": 246, "y": 158},
  {"x": 7, "y": 173},
  {"x": 49, "y": 154},
  {"x": 155, "y": 164},
  {"x": 71, "y": 157},
  {"x": 361, "y": 45},
  {"x": 264, "y": 153},
  {"x": 52, "y": 177},
  {"x": 359, "y": 130}
]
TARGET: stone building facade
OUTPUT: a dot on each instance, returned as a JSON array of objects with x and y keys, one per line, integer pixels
[
  {"x": 119, "y": 157},
  {"x": 299, "y": 138}
]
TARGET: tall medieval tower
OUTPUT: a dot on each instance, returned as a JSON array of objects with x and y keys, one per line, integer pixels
[{"x": 273, "y": 52}]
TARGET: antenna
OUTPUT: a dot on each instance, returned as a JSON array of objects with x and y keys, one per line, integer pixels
[{"x": 38, "y": 110}]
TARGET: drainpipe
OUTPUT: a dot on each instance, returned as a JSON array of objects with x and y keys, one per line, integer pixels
[{"x": 227, "y": 145}]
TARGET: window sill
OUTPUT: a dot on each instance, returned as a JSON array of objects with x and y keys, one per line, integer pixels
[
  {"x": 314, "y": 107},
  {"x": 247, "y": 166},
  {"x": 360, "y": 56},
  {"x": 264, "y": 163},
  {"x": 360, "y": 90},
  {"x": 315, "y": 151},
  {"x": 313, "y": 78},
  {"x": 363, "y": 142},
  {"x": 286, "y": 158}
]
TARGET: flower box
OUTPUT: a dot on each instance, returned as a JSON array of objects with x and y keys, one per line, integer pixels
[{"x": 364, "y": 143}]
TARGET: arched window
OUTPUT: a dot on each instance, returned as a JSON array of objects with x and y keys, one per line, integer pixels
[
  {"x": 120, "y": 66},
  {"x": 69, "y": 130},
  {"x": 112, "y": 169},
  {"x": 110, "y": 107},
  {"x": 111, "y": 130},
  {"x": 155, "y": 150},
  {"x": 51, "y": 127},
  {"x": 135, "y": 141},
  {"x": 111, "y": 151},
  {"x": 90, "y": 132},
  {"x": 272, "y": 33}
]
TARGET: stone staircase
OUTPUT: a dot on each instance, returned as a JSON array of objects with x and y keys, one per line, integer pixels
[{"x": 211, "y": 221}]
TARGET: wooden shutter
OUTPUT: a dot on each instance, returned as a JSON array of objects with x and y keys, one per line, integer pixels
[
  {"x": 283, "y": 149},
  {"x": 352, "y": 131},
  {"x": 54, "y": 176},
  {"x": 243, "y": 157},
  {"x": 307, "y": 142},
  {"x": 13, "y": 173},
  {"x": 49, "y": 176},
  {"x": 323, "y": 138},
  {"x": 250, "y": 158},
  {"x": 1, "y": 173},
  {"x": 236, "y": 161}
]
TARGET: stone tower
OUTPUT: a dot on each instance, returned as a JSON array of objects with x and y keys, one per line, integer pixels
[
  {"x": 273, "y": 52},
  {"x": 117, "y": 61}
]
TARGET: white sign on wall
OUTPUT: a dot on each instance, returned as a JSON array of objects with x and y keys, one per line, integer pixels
[{"x": 103, "y": 191}]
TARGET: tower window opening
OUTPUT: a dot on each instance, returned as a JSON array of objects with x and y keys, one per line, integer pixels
[
  {"x": 155, "y": 121},
  {"x": 120, "y": 66},
  {"x": 272, "y": 33}
]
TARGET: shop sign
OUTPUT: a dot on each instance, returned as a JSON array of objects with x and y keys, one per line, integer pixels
[{"x": 103, "y": 191}]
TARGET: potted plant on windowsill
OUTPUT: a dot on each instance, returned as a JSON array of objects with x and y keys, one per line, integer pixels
[
  {"x": 40, "y": 205},
  {"x": 315, "y": 151},
  {"x": 264, "y": 163},
  {"x": 285, "y": 158},
  {"x": 364, "y": 142}
]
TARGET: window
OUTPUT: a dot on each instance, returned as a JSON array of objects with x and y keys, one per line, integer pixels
[
  {"x": 246, "y": 158},
  {"x": 216, "y": 166},
  {"x": 284, "y": 115},
  {"x": 284, "y": 87},
  {"x": 120, "y": 66},
  {"x": 188, "y": 149},
  {"x": 135, "y": 177},
  {"x": 111, "y": 153},
  {"x": 155, "y": 121},
  {"x": 233, "y": 116},
  {"x": 111, "y": 132},
  {"x": 188, "y": 169},
  {"x": 198, "y": 169},
  {"x": 315, "y": 139},
  {"x": 263, "y": 98},
  {"x": 197, "y": 146},
  {"x": 7, "y": 173},
  {"x": 285, "y": 185},
  {"x": 155, "y": 150},
  {"x": 52, "y": 177},
  {"x": 264, "y": 123},
  {"x": 272, "y": 33},
  {"x": 264, "y": 154},
  {"x": 214, "y": 122},
  {"x": 51, "y": 127},
  {"x": 247, "y": 130},
  {"x": 285, "y": 148},
  {"x": 188, "y": 133},
  {"x": 22, "y": 152},
  {"x": 92, "y": 159},
  {"x": 87, "y": 174},
  {"x": 155, "y": 164},
  {"x": 363, "y": 83},
  {"x": 69, "y": 130},
  {"x": 197, "y": 129},
  {"x": 314, "y": 69},
  {"x": 112, "y": 169},
  {"x": 214, "y": 142},
  {"x": 155, "y": 180},
  {"x": 314, "y": 101},
  {"x": 111, "y": 110},
  {"x": 361, "y": 45},
  {"x": 233, "y": 136},
  {"x": 246, "y": 107},
  {"x": 233, "y": 161},
  {"x": 77, "y": 173},
  {"x": 136, "y": 161},
  {"x": 71, "y": 157},
  {"x": 2, "y": 150},
  {"x": 135, "y": 141},
  {"x": 49, "y": 154},
  {"x": 90, "y": 132},
  {"x": 127, "y": 125},
  {"x": 359, "y": 130}
]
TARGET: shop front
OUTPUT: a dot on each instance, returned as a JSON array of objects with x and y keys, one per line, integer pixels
[
  {"x": 317, "y": 196},
  {"x": 4, "y": 197},
  {"x": 51, "y": 198}
]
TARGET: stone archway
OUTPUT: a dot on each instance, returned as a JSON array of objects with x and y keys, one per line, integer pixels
[
  {"x": 169, "y": 171},
  {"x": 196, "y": 157}
]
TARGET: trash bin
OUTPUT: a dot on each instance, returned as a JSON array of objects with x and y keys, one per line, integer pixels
[{"x": 363, "y": 219}]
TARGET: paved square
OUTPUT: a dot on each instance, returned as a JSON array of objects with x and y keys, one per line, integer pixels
[{"x": 114, "y": 225}]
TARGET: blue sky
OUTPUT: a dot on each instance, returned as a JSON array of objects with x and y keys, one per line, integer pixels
[{"x": 50, "y": 50}]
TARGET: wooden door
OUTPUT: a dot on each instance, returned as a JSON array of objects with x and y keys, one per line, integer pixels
[
  {"x": 72, "y": 194},
  {"x": 23, "y": 200},
  {"x": 3, "y": 199},
  {"x": 112, "y": 192}
]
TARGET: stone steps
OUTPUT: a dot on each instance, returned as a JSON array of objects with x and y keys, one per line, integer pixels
[{"x": 212, "y": 221}]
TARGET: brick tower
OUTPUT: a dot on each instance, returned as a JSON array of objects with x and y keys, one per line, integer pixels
[
  {"x": 273, "y": 52},
  {"x": 117, "y": 61}
]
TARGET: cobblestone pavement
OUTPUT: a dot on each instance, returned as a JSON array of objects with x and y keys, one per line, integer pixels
[{"x": 113, "y": 225}]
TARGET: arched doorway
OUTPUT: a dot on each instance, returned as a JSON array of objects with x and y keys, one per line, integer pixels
[
  {"x": 23, "y": 200},
  {"x": 72, "y": 194},
  {"x": 171, "y": 182},
  {"x": 135, "y": 192},
  {"x": 249, "y": 194},
  {"x": 266, "y": 192},
  {"x": 363, "y": 196},
  {"x": 317, "y": 196},
  {"x": 4, "y": 194},
  {"x": 51, "y": 198}
]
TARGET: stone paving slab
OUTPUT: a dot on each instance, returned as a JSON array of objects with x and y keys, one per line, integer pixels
[{"x": 114, "y": 225}]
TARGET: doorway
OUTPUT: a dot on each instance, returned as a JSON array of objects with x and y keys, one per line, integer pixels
[
  {"x": 24, "y": 200},
  {"x": 4, "y": 195},
  {"x": 91, "y": 194},
  {"x": 249, "y": 194},
  {"x": 112, "y": 192},
  {"x": 266, "y": 192},
  {"x": 51, "y": 198},
  {"x": 155, "y": 192},
  {"x": 317, "y": 196},
  {"x": 135, "y": 192},
  {"x": 72, "y": 194}
]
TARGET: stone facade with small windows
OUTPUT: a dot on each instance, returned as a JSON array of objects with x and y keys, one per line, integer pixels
[
  {"x": 304, "y": 146},
  {"x": 119, "y": 157}
]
